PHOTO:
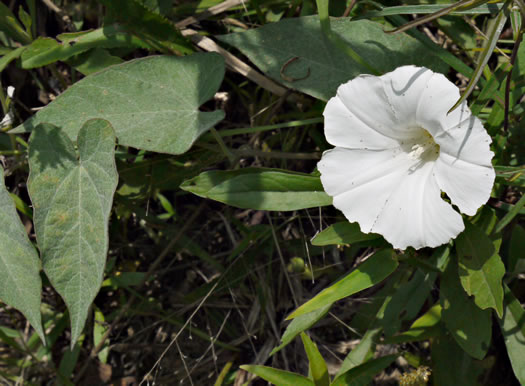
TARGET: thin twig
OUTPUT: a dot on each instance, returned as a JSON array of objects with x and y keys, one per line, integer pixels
[{"x": 235, "y": 64}]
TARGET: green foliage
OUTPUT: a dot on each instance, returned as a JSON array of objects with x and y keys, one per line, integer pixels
[
  {"x": 152, "y": 103},
  {"x": 342, "y": 233},
  {"x": 156, "y": 249},
  {"x": 480, "y": 268},
  {"x": 21, "y": 284},
  {"x": 321, "y": 67},
  {"x": 374, "y": 270},
  {"x": 458, "y": 313},
  {"x": 264, "y": 189},
  {"x": 72, "y": 192}
]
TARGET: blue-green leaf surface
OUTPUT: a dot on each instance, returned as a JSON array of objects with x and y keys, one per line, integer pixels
[
  {"x": 320, "y": 65},
  {"x": 72, "y": 193},
  {"x": 152, "y": 103},
  {"x": 19, "y": 263}
]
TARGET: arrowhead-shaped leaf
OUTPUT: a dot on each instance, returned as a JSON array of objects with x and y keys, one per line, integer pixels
[
  {"x": 320, "y": 66},
  {"x": 19, "y": 263},
  {"x": 72, "y": 194},
  {"x": 480, "y": 268},
  {"x": 260, "y": 188},
  {"x": 152, "y": 103}
]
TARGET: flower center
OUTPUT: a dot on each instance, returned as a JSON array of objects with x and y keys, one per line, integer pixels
[{"x": 422, "y": 147}]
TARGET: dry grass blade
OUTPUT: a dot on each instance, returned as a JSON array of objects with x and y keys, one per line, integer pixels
[
  {"x": 234, "y": 63},
  {"x": 215, "y": 10}
]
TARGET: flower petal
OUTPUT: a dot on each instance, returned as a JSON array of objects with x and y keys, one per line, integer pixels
[
  {"x": 438, "y": 97},
  {"x": 415, "y": 215},
  {"x": 386, "y": 193},
  {"x": 368, "y": 103},
  {"x": 344, "y": 129},
  {"x": 403, "y": 88},
  {"x": 463, "y": 169}
]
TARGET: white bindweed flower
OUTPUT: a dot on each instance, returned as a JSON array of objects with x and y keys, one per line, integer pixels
[{"x": 397, "y": 149}]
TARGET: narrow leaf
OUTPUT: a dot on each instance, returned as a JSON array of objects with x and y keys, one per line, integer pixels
[
  {"x": 300, "y": 324},
  {"x": 371, "y": 272},
  {"x": 359, "y": 354},
  {"x": 516, "y": 208},
  {"x": 148, "y": 25},
  {"x": 316, "y": 362},
  {"x": 364, "y": 374},
  {"x": 152, "y": 103},
  {"x": 278, "y": 377},
  {"x": 480, "y": 268},
  {"x": 19, "y": 263},
  {"x": 72, "y": 195},
  {"x": 459, "y": 312},
  {"x": 46, "y": 50},
  {"x": 11, "y": 27},
  {"x": 431, "y": 8},
  {"x": 513, "y": 329},
  {"x": 342, "y": 233},
  {"x": 260, "y": 188},
  {"x": 490, "y": 44}
]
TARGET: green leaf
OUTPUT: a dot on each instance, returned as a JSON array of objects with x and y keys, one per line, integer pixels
[
  {"x": 278, "y": 377},
  {"x": 300, "y": 324},
  {"x": 45, "y": 50},
  {"x": 321, "y": 63},
  {"x": 150, "y": 26},
  {"x": 480, "y": 268},
  {"x": 152, "y": 103},
  {"x": 516, "y": 261},
  {"x": 260, "y": 188},
  {"x": 342, "y": 233},
  {"x": 19, "y": 263},
  {"x": 316, "y": 362},
  {"x": 93, "y": 61},
  {"x": 453, "y": 366},
  {"x": 407, "y": 301},
  {"x": 359, "y": 354},
  {"x": 459, "y": 312},
  {"x": 512, "y": 326},
  {"x": 72, "y": 194},
  {"x": 364, "y": 374},
  {"x": 374, "y": 270},
  {"x": 489, "y": 45},
  {"x": 511, "y": 175},
  {"x": 425, "y": 327},
  {"x": 9, "y": 57},
  {"x": 516, "y": 208},
  {"x": 11, "y": 27}
]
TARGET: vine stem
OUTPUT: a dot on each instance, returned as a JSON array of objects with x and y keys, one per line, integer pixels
[{"x": 509, "y": 78}]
